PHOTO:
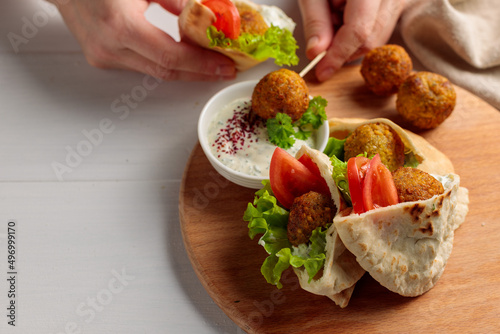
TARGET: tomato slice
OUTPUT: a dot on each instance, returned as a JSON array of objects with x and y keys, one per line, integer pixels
[
  {"x": 307, "y": 161},
  {"x": 356, "y": 170},
  {"x": 379, "y": 189},
  {"x": 228, "y": 18},
  {"x": 290, "y": 178}
]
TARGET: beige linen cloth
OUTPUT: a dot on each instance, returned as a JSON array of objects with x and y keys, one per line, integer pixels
[{"x": 459, "y": 39}]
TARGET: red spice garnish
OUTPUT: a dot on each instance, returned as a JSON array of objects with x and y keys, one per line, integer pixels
[{"x": 237, "y": 130}]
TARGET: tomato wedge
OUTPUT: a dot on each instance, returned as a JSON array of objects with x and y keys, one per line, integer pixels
[
  {"x": 370, "y": 183},
  {"x": 356, "y": 170},
  {"x": 307, "y": 161},
  {"x": 290, "y": 178},
  {"x": 379, "y": 189},
  {"x": 228, "y": 18}
]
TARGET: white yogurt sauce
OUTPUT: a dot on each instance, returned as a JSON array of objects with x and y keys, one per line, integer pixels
[
  {"x": 244, "y": 147},
  {"x": 276, "y": 16}
]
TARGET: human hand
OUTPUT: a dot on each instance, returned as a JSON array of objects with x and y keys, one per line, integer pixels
[
  {"x": 347, "y": 29},
  {"x": 115, "y": 34}
]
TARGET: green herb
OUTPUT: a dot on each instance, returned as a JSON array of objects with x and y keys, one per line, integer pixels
[
  {"x": 280, "y": 130},
  {"x": 275, "y": 43},
  {"x": 315, "y": 113},
  {"x": 266, "y": 217},
  {"x": 283, "y": 132}
]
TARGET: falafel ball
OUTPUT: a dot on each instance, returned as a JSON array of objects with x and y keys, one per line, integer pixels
[
  {"x": 251, "y": 20},
  {"x": 307, "y": 213},
  {"x": 414, "y": 184},
  {"x": 426, "y": 99},
  {"x": 281, "y": 91},
  {"x": 385, "y": 68},
  {"x": 376, "y": 138}
]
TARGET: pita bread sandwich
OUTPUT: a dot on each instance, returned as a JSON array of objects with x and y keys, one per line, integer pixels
[
  {"x": 386, "y": 203},
  {"x": 405, "y": 246},
  {"x": 318, "y": 257},
  {"x": 246, "y": 32}
]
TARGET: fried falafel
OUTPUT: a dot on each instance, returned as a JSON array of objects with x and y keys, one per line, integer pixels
[
  {"x": 251, "y": 20},
  {"x": 376, "y": 138},
  {"x": 426, "y": 99},
  {"x": 308, "y": 212},
  {"x": 385, "y": 68},
  {"x": 281, "y": 91},
  {"x": 414, "y": 184}
]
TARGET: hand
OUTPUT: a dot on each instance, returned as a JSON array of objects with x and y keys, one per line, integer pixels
[
  {"x": 362, "y": 25},
  {"x": 115, "y": 34}
]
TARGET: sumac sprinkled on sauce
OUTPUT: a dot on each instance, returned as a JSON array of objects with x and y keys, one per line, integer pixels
[
  {"x": 240, "y": 141},
  {"x": 238, "y": 130}
]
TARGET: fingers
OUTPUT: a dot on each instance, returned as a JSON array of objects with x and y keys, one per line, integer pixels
[
  {"x": 359, "y": 20},
  {"x": 115, "y": 34},
  {"x": 318, "y": 26},
  {"x": 387, "y": 18},
  {"x": 175, "y": 57},
  {"x": 129, "y": 60},
  {"x": 366, "y": 25},
  {"x": 173, "y": 6}
]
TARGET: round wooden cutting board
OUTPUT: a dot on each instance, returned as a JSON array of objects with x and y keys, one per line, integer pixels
[{"x": 465, "y": 299}]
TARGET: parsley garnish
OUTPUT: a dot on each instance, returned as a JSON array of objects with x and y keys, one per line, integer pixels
[{"x": 282, "y": 131}]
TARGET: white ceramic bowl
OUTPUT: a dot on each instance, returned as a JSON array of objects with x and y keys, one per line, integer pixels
[{"x": 212, "y": 107}]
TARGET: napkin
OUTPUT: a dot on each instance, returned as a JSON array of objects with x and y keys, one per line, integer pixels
[{"x": 459, "y": 39}]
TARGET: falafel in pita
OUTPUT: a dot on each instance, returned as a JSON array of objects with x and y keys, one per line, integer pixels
[
  {"x": 406, "y": 246},
  {"x": 273, "y": 39},
  {"x": 341, "y": 271}
]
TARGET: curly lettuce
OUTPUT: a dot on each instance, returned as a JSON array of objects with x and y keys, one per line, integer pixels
[
  {"x": 266, "y": 217},
  {"x": 339, "y": 175},
  {"x": 275, "y": 43}
]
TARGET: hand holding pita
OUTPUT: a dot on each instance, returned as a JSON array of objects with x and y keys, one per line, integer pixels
[
  {"x": 347, "y": 29},
  {"x": 115, "y": 34}
]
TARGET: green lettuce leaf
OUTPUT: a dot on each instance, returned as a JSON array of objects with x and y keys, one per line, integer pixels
[
  {"x": 335, "y": 147},
  {"x": 339, "y": 175},
  {"x": 411, "y": 160},
  {"x": 266, "y": 217},
  {"x": 276, "y": 43}
]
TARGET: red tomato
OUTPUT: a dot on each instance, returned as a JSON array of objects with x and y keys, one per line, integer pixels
[
  {"x": 356, "y": 170},
  {"x": 307, "y": 161},
  {"x": 228, "y": 18},
  {"x": 379, "y": 189},
  {"x": 290, "y": 178}
]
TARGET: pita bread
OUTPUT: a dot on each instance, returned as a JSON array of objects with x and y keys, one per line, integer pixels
[
  {"x": 405, "y": 247},
  {"x": 431, "y": 160},
  {"x": 341, "y": 271},
  {"x": 194, "y": 21}
]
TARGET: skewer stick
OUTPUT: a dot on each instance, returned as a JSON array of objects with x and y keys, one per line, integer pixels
[{"x": 312, "y": 64}]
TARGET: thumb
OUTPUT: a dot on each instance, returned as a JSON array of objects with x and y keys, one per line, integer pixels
[
  {"x": 173, "y": 6},
  {"x": 318, "y": 26}
]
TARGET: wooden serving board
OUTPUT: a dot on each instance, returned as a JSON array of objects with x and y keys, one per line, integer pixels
[{"x": 465, "y": 299}]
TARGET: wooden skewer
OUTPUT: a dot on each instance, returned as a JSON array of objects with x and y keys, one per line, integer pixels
[{"x": 312, "y": 64}]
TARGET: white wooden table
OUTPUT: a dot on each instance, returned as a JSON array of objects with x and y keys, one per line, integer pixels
[
  {"x": 91, "y": 163},
  {"x": 89, "y": 186}
]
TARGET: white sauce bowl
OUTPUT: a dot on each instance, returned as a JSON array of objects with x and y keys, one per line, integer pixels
[{"x": 212, "y": 108}]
